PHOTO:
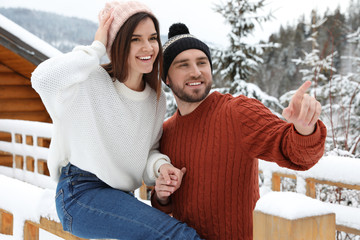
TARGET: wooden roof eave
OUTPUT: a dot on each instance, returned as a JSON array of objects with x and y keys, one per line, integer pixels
[{"x": 16, "y": 45}]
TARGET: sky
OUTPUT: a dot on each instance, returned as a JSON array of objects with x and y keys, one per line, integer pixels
[{"x": 198, "y": 15}]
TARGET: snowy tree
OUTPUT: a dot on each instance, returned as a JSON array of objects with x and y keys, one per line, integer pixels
[
  {"x": 240, "y": 59},
  {"x": 234, "y": 64},
  {"x": 338, "y": 94}
]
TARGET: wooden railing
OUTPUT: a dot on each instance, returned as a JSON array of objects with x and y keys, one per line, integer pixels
[
  {"x": 278, "y": 174},
  {"x": 23, "y": 150},
  {"x": 23, "y": 153},
  {"x": 31, "y": 229}
]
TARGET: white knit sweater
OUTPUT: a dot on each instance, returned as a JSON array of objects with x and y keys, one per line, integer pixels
[{"x": 99, "y": 125}]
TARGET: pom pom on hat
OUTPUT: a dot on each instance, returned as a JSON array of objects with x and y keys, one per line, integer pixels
[
  {"x": 180, "y": 40},
  {"x": 177, "y": 29},
  {"x": 121, "y": 11}
]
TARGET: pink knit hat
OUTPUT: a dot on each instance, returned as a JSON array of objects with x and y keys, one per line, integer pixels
[{"x": 122, "y": 11}]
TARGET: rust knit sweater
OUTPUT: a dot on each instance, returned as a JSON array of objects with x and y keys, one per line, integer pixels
[{"x": 219, "y": 143}]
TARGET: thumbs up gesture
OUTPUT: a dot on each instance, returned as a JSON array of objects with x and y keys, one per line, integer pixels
[{"x": 303, "y": 110}]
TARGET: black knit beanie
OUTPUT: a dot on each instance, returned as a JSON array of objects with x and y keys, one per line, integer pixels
[{"x": 179, "y": 40}]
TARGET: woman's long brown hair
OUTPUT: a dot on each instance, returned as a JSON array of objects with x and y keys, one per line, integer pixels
[{"x": 118, "y": 68}]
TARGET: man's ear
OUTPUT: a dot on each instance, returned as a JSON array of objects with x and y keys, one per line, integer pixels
[{"x": 167, "y": 81}]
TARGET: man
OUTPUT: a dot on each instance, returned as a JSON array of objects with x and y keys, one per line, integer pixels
[{"x": 218, "y": 139}]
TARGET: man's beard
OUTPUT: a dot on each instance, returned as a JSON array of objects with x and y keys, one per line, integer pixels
[{"x": 196, "y": 96}]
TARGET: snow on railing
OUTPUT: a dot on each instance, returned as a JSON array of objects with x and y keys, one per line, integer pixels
[
  {"x": 288, "y": 215},
  {"x": 342, "y": 172},
  {"x": 28, "y": 147}
]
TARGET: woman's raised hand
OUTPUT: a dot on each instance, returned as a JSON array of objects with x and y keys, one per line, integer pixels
[{"x": 105, "y": 20}]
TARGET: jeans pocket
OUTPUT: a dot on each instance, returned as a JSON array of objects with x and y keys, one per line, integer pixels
[{"x": 64, "y": 216}]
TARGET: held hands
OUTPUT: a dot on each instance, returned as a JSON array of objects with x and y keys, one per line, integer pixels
[
  {"x": 303, "y": 110},
  {"x": 105, "y": 20},
  {"x": 168, "y": 182}
]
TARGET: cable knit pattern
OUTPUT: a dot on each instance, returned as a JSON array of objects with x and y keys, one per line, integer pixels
[
  {"x": 99, "y": 125},
  {"x": 219, "y": 144}
]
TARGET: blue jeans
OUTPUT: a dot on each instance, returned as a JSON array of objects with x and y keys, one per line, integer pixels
[{"x": 89, "y": 208}]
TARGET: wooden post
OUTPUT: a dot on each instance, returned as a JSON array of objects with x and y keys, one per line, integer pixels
[
  {"x": 43, "y": 142},
  {"x": 19, "y": 161},
  {"x": 42, "y": 167},
  {"x": 6, "y": 222},
  {"x": 276, "y": 182},
  {"x": 143, "y": 192},
  {"x": 292, "y": 216},
  {"x": 310, "y": 188},
  {"x": 31, "y": 231},
  {"x": 30, "y": 163},
  {"x": 29, "y": 140},
  {"x": 268, "y": 227},
  {"x": 18, "y": 138}
]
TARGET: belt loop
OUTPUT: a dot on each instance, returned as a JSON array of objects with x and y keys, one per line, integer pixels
[{"x": 67, "y": 169}]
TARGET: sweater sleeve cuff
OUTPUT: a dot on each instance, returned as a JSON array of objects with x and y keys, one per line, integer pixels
[
  {"x": 96, "y": 48},
  {"x": 164, "y": 208},
  {"x": 155, "y": 160},
  {"x": 99, "y": 48},
  {"x": 312, "y": 139}
]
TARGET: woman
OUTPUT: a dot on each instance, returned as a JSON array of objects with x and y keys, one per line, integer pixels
[{"x": 107, "y": 121}]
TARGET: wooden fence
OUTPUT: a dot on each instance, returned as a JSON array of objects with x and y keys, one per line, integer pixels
[
  {"x": 24, "y": 146},
  {"x": 311, "y": 192}
]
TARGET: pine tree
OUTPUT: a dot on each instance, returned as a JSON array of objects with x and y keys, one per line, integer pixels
[
  {"x": 338, "y": 94},
  {"x": 240, "y": 59},
  {"x": 235, "y": 64}
]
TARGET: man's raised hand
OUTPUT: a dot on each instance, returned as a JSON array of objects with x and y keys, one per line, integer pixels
[{"x": 303, "y": 110}]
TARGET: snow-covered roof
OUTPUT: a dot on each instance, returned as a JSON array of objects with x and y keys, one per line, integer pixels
[{"x": 25, "y": 43}]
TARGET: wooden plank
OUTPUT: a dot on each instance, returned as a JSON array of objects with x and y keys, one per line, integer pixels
[
  {"x": 21, "y": 105},
  {"x": 40, "y": 116},
  {"x": 346, "y": 229},
  {"x": 5, "y": 136},
  {"x": 5, "y": 69},
  {"x": 6, "y": 222},
  {"x": 42, "y": 167},
  {"x": 12, "y": 78},
  {"x": 16, "y": 92},
  {"x": 6, "y": 159},
  {"x": 43, "y": 142},
  {"x": 31, "y": 231},
  {"x": 56, "y": 229},
  {"x": 16, "y": 62},
  {"x": 337, "y": 184}
]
